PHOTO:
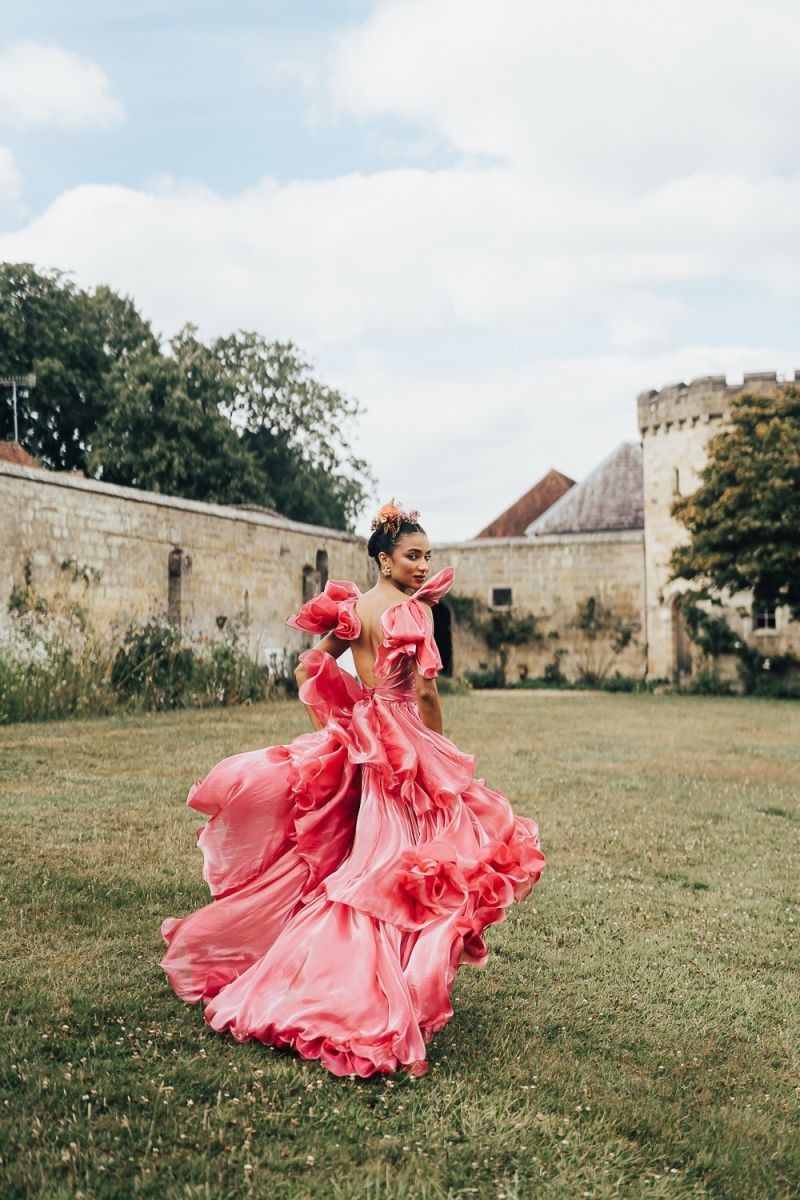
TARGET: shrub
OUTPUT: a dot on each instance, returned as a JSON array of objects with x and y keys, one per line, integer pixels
[
  {"x": 50, "y": 667},
  {"x": 552, "y": 672},
  {"x": 48, "y": 670},
  {"x": 485, "y": 679},
  {"x": 459, "y": 686},
  {"x": 708, "y": 683},
  {"x": 621, "y": 683}
]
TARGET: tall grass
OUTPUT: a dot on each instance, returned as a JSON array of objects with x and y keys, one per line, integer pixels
[{"x": 53, "y": 666}]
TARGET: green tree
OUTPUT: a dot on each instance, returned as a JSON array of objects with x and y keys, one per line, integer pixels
[
  {"x": 47, "y": 326},
  {"x": 744, "y": 519},
  {"x": 164, "y": 430},
  {"x": 241, "y": 421},
  {"x": 297, "y": 430}
]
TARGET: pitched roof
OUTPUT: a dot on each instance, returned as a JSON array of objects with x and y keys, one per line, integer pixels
[
  {"x": 516, "y": 519},
  {"x": 14, "y": 453},
  {"x": 611, "y": 497}
]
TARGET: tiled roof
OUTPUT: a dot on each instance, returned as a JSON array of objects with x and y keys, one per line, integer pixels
[
  {"x": 516, "y": 519},
  {"x": 611, "y": 497},
  {"x": 14, "y": 453}
]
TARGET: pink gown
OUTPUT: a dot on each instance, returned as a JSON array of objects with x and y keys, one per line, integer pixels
[{"x": 353, "y": 870}]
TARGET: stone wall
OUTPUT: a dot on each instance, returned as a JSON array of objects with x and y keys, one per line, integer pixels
[
  {"x": 550, "y": 577},
  {"x": 676, "y": 424},
  {"x": 126, "y": 554}
]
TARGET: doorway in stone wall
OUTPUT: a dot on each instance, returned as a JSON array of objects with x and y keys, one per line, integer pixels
[
  {"x": 681, "y": 646},
  {"x": 443, "y": 634},
  {"x": 322, "y": 569}
]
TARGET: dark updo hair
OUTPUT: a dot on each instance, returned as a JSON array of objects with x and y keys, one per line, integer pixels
[
  {"x": 389, "y": 525},
  {"x": 383, "y": 540}
]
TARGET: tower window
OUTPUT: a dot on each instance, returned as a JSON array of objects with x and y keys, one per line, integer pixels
[
  {"x": 501, "y": 597},
  {"x": 764, "y": 616}
]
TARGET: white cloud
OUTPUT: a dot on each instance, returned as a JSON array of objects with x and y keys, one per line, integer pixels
[
  {"x": 10, "y": 181},
  {"x": 615, "y": 91},
  {"x": 43, "y": 85},
  {"x": 463, "y": 446},
  {"x": 612, "y": 162},
  {"x": 350, "y": 263},
  {"x": 332, "y": 261}
]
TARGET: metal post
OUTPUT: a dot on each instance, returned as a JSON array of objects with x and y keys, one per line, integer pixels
[{"x": 13, "y": 381}]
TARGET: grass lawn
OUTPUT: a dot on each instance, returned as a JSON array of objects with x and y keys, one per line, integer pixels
[{"x": 634, "y": 1034}]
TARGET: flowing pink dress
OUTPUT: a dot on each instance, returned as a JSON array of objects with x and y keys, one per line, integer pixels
[{"x": 353, "y": 870}]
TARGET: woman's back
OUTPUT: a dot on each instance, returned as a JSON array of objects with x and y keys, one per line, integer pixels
[{"x": 369, "y": 610}]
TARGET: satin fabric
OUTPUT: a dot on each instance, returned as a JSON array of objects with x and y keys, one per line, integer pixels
[{"x": 352, "y": 870}]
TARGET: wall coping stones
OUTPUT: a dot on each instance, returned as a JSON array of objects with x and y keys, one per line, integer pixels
[{"x": 221, "y": 511}]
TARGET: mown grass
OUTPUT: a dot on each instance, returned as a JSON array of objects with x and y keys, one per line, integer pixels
[{"x": 635, "y": 1033}]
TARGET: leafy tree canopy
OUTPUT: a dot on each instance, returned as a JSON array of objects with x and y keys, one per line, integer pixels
[
  {"x": 744, "y": 519},
  {"x": 163, "y": 430},
  {"x": 241, "y": 420},
  {"x": 296, "y": 430}
]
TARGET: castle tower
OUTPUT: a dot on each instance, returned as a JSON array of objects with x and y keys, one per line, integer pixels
[{"x": 676, "y": 424}]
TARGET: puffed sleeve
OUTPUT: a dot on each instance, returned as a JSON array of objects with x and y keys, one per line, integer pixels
[
  {"x": 407, "y": 633},
  {"x": 333, "y": 610},
  {"x": 437, "y": 586}
]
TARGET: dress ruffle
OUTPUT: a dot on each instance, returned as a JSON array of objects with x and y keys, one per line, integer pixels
[{"x": 352, "y": 870}]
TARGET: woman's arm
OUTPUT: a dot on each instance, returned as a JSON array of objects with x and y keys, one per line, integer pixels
[
  {"x": 430, "y": 710},
  {"x": 333, "y": 645}
]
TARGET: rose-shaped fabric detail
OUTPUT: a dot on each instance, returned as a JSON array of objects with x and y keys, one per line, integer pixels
[
  {"x": 321, "y": 614},
  {"x": 490, "y": 888},
  {"x": 432, "y": 880},
  {"x": 519, "y": 858}
]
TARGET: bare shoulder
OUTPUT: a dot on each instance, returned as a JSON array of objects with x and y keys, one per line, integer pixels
[{"x": 371, "y": 605}]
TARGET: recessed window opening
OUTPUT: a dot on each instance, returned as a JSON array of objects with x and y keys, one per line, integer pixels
[
  {"x": 501, "y": 597},
  {"x": 322, "y": 568},
  {"x": 174, "y": 572},
  {"x": 764, "y": 617}
]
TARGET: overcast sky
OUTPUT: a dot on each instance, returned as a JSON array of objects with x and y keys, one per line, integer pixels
[{"x": 494, "y": 224}]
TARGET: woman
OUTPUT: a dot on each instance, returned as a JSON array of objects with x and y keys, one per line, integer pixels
[{"x": 354, "y": 869}]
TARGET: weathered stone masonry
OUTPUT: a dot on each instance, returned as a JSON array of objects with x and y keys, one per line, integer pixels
[
  {"x": 676, "y": 424},
  {"x": 148, "y": 553}
]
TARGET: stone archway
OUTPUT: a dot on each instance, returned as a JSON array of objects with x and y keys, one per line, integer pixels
[
  {"x": 681, "y": 645},
  {"x": 443, "y": 633}
]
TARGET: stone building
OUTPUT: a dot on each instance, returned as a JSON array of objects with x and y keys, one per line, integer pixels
[
  {"x": 589, "y": 560},
  {"x": 124, "y": 554},
  {"x": 587, "y": 546},
  {"x": 675, "y": 426}
]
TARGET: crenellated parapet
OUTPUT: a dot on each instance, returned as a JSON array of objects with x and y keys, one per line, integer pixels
[{"x": 703, "y": 400}]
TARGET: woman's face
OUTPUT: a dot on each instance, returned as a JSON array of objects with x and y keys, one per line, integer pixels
[{"x": 411, "y": 560}]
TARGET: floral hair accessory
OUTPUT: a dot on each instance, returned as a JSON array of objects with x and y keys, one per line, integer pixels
[{"x": 392, "y": 516}]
